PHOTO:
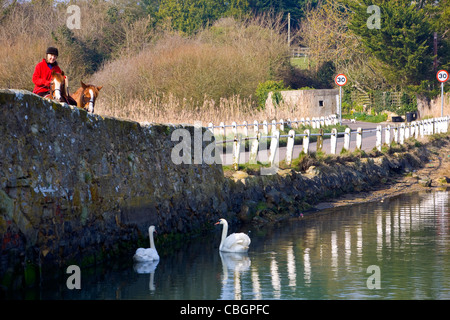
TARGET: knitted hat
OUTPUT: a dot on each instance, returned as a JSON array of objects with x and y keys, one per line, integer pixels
[{"x": 52, "y": 50}]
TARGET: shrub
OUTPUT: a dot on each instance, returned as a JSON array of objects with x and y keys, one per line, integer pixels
[
  {"x": 263, "y": 89},
  {"x": 229, "y": 59}
]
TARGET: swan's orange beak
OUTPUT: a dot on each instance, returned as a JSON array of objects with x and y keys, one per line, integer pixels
[{"x": 218, "y": 222}]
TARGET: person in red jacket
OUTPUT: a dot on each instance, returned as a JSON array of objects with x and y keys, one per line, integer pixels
[{"x": 43, "y": 73}]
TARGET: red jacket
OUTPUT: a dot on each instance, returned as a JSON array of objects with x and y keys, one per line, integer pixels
[{"x": 42, "y": 76}]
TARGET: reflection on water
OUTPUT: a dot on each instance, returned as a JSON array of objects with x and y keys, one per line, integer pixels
[
  {"x": 323, "y": 256},
  {"x": 147, "y": 268},
  {"x": 233, "y": 265}
]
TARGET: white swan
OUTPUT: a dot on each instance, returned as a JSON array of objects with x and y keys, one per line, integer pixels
[
  {"x": 236, "y": 242},
  {"x": 147, "y": 254}
]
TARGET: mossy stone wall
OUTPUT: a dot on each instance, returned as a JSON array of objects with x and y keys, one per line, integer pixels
[{"x": 78, "y": 188}]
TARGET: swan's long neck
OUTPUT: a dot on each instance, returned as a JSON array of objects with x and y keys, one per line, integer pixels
[
  {"x": 224, "y": 233},
  {"x": 152, "y": 243}
]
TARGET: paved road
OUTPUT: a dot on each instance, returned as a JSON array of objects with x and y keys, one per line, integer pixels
[{"x": 368, "y": 143}]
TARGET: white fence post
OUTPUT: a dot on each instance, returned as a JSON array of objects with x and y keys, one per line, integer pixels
[
  {"x": 211, "y": 127},
  {"x": 274, "y": 147},
  {"x": 359, "y": 138},
  {"x": 416, "y": 129},
  {"x": 256, "y": 126},
  {"x": 281, "y": 125},
  {"x": 378, "y": 134},
  {"x": 254, "y": 149},
  {"x": 407, "y": 126},
  {"x": 421, "y": 128},
  {"x": 396, "y": 134},
  {"x": 290, "y": 147},
  {"x": 222, "y": 127},
  {"x": 387, "y": 135},
  {"x": 319, "y": 142},
  {"x": 333, "y": 141},
  {"x": 236, "y": 151},
  {"x": 245, "y": 129},
  {"x": 401, "y": 137},
  {"x": 347, "y": 137},
  {"x": 234, "y": 128},
  {"x": 306, "y": 141},
  {"x": 274, "y": 126},
  {"x": 265, "y": 127}
]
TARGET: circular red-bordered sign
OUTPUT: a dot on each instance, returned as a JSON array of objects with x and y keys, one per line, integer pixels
[
  {"x": 340, "y": 80},
  {"x": 442, "y": 76}
]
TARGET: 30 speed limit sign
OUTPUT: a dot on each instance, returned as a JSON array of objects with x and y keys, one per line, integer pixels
[
  {"x": 442, "y": 76},
  {"x": 340, "y": 80}
]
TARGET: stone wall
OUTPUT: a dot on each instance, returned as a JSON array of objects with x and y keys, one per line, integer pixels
[{"x": 78, "y": 188}]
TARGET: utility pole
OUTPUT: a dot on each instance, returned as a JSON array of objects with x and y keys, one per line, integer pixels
[
  {"x": 435, "y": 45},
  {"x": 289, "y": 29}
]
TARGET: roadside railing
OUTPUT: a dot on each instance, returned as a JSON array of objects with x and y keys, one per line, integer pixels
[{"x": 264, "y": 131}]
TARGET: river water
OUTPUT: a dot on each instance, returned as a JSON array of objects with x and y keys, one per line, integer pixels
[{"x": 395, "y": 249}]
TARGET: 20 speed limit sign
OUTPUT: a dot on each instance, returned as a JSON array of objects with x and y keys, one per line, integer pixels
[
  {"x": 442, "y": 76},
  {"x": 340, "y": 80}
]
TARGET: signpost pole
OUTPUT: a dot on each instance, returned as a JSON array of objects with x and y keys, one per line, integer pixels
[
  {"x": 340, "y": 80},
  {"x": 442, "y": 77},
  {"x": 340, "y": 105}
]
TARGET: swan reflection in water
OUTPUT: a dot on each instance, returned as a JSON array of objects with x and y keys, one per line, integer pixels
[
  {"x": 233, "y": 265},
  {"x": 145, "y": 268}
]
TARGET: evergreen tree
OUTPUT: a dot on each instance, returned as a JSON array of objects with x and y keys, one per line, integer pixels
[
  {"x": 295, "y": 7},
  {"x": 190, "y": 16},
  {"x": 403, "y": 43},
  {"x": 439, "y": 13}
]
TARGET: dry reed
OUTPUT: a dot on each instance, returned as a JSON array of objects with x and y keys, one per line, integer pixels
[{"x": 169, "y": 109}]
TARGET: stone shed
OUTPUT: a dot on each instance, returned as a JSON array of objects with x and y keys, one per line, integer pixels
[{"x": 308, "y": 103}]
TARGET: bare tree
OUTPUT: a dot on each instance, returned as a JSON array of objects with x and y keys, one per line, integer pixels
[{"x": 325, "y": 31}]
